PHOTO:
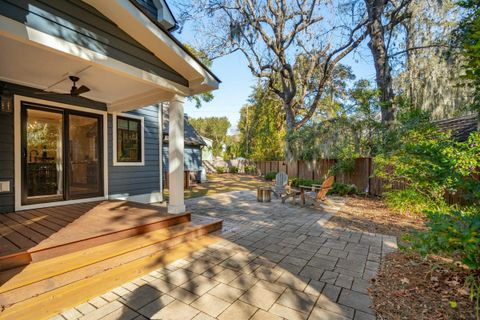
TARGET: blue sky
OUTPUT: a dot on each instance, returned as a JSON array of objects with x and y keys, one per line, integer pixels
[{"x": 237, "y": 81}]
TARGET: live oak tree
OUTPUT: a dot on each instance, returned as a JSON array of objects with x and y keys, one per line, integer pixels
[{"x": 272, "y": 34}]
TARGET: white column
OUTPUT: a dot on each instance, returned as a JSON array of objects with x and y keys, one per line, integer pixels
[{"x": 176, "y": 202}]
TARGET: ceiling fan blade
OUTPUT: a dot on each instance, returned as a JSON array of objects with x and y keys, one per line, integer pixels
[
  {"x": 83, "y": 89},
  {"x": 78, "y": 91}
]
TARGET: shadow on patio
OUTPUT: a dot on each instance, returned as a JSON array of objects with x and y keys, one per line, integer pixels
[{"x": 273, "y": 261}]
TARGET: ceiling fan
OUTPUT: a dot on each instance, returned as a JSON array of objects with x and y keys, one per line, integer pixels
[{"x": 74, "y": 91}]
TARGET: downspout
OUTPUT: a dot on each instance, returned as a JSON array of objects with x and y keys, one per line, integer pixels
[{"x": 160, "y": 148}]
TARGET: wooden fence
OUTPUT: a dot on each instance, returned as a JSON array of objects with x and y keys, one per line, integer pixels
[{"x": 360, "y": 176}]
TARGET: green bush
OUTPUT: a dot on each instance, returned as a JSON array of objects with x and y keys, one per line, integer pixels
[
  {"x": 233, "y": 169},
  {"x": 410, "y": 201},
  {"x": 270, "y": 175},
  {"x": 343, "y": 189},
  {"x": 456, "y": 233},
  {"x": 220, "y": 169},
  {"x": 304, "y": 182},
  {"x": 249, "y": 169}
]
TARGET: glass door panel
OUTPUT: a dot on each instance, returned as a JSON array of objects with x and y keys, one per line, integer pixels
[
  {"x": 84, "y": 156},
  {"x": 43, "y": 155}
]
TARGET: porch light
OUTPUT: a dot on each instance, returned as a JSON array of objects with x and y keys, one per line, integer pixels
[{"x": 6, "y": 103}]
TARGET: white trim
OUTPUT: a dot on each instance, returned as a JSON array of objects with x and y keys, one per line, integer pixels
[
  {"x": 142, "y": 198},
  {"x": 125, "y": 15},
  {"x": 58, "y": 203},
  {"x": 114, "y": 140},
  {"x": 18, "y": 99},
  {"x": 160, "y": 148},
  {"x": 20, "y": 32}
]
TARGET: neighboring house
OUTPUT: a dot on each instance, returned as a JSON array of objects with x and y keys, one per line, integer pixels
[
  {"x": 102, "y": 138},
  {"x": 460, "y": 127},
  {"x": 193, "y": 146},
  {"x": 207, "y": 150}
]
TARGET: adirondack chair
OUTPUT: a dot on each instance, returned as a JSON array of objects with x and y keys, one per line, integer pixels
[
  {"x": 281, "y": 189},
  {"x": 319, "y": 192},
  {"x": 281, "y": 182}
]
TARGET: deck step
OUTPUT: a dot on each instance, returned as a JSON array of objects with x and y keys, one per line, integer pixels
[
  {"x": 50, "y": 248},
  {"x": 74, "y": 278}
]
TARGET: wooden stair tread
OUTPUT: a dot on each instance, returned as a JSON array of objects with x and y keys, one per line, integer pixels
[
  {"x": 50, "y": 303},
  {"x": 38, "y": 271}
]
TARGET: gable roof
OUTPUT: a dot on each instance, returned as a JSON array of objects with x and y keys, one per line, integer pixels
[
  {"x": 149, "y": 16},
  {"x": 461, "y": 127},
  {"x": 191, "y": 136}
]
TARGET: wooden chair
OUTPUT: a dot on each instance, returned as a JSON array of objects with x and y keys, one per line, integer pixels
[
  {"x": 319, "y": 192},
  {"x": 281, "y": 189},
  {"x": 280, "y": 184}
]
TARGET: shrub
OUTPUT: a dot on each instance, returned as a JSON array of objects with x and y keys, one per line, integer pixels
[
  {"x": 233, "y": 169},
  {"x": 409, "y": 201},
  {"x": 250, "y": 169},
  {"x": 220, "y": 169},
  {"x": 270, "y": 175},
  {"x": 456, "y": 233},
  {"x": 343, "y": 189},
  {"x": 304, "y": 182}
]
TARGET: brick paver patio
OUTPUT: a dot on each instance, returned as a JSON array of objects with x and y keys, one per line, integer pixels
[{"x": 277, "y": 261}]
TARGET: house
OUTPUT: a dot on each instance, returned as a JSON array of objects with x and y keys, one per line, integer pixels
[
  {"x": 82, "y": 85},
  {"x": 460, "y": 127},
  {"x": 207, "y": 151}
]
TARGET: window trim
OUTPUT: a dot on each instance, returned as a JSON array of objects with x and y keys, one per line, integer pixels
[{"x": 117, "y": 163}]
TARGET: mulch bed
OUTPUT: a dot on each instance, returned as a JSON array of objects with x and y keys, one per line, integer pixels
[
  {"x": 409, "y": 287},
  {"x": 372, "y": 215}
]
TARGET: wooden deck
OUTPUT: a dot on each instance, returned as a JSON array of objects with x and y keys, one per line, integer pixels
[
  {"x": 34, "y": 235},
  {"x": 53, "y": 259}
]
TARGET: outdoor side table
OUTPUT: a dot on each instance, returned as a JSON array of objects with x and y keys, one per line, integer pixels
[{"x": 264, "y": 194}]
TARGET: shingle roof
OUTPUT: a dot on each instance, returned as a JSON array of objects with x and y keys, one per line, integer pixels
[
  {"x": 461, "y": 127},
  {"x": 192, "y": 137}
]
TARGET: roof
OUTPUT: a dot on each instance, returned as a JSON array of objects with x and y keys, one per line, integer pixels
[
  {"x": 461, "y": 127},
  {"x": 192, "y": 137},
  {"x": 168, "y": 33}
]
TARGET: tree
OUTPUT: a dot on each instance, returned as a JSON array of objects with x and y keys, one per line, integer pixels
[
  {"x": 467, "y": 37},
  {"x": 273, "y": 34},
  {"x": 379, "y": 11},
  {"x": 214, "y": 128},
  {"x": 262, "y": 126},
  {"x": 203, "y": 57}
]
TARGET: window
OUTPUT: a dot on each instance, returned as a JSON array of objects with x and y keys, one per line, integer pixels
[{"x": 128, "y": 140}]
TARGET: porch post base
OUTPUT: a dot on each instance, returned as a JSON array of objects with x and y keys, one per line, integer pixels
[{"x": 175, "y": 209}]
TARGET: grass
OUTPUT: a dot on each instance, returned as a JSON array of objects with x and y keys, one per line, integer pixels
[{"x": 221, "y": 183}]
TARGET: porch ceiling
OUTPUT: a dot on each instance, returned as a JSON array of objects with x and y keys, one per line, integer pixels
[{"x": 41, "y": 67}]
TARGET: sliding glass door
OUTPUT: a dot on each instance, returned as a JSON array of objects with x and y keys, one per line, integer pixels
[
  {"x": 62, "y": 154},
  {"x": 84, "y": 156}
]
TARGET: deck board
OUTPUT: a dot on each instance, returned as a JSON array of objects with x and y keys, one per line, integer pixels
[{"x": 37, "y": 229}]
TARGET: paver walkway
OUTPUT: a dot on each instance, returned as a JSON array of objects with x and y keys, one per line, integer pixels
[{"x": 277, "y": 261}]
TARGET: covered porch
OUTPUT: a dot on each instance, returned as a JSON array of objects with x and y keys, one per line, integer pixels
[{"x": 127, "y": 61}]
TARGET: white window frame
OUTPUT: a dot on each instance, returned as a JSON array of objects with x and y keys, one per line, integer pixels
[{"x": 114, "y": 138}]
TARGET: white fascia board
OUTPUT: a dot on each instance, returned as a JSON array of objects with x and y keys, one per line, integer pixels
[{"x": 131, "y": 20}]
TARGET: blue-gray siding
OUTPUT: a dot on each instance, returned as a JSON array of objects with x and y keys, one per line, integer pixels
[
  {"x": 81, "y": 24},
  {"x": 135, "y": 180},
  {"x": 192, "y": 158},
  {"x": 6, "y": 161}
]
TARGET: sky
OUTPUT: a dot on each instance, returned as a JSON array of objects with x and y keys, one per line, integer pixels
[{"x": 237, "y": 81}]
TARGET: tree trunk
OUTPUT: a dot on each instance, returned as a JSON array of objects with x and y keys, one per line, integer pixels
[
  {"x": 378, "y": 48},
  {"x": 290, "y": 126}
]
